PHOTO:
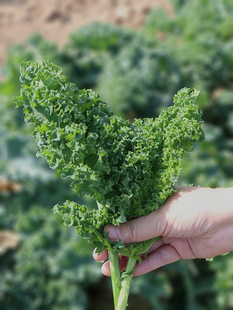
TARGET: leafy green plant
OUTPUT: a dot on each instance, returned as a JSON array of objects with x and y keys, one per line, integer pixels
[
  {"x": 129, "y": 169},
  {"x": 85, "y": 54},
  {"x": 138, "y": 78},
  {"x": 50, "y": 270},
  {"x": 191, "y": 47}
]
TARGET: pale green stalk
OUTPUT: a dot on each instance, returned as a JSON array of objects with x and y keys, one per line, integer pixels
[
  {"x": 115, "y": 275},
  {"x": 125, "y": 284}
]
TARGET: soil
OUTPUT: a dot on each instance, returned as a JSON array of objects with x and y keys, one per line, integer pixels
[
  {"x": 55, "y": 19},
  {"x": 8, "y": 241}
]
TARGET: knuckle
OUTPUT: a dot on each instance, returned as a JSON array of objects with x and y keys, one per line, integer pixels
[{"x": 131, "y": 232}]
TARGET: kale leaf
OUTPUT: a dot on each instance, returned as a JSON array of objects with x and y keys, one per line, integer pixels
[{"x": 129, "y": 169}]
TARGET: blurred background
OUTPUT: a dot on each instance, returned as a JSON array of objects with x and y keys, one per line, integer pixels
[{"x": 136, "y": 54}]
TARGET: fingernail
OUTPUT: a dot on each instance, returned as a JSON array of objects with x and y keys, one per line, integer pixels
[
  {"x": 105, "y": 269},
  {"x": 94, "y": 252},
  {"x": 113, "y": 232}
]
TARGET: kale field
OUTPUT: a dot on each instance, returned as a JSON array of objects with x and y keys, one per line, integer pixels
[{"x": 45, "y": 265}]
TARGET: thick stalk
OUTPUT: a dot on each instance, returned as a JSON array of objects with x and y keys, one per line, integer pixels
[
  {"x": 125, "y": 284},
  {"x": 115, "y": 275}
]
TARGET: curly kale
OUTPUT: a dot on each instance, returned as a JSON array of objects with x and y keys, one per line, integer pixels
[{"x": 129, "y": 169}]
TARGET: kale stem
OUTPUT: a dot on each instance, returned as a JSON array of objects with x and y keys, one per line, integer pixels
[
  {"x": 125, "y": 284},
  {"x": 115, "y": 275}
]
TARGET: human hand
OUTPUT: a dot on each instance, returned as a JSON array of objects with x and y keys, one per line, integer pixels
[{"x": 193, "y": 223}]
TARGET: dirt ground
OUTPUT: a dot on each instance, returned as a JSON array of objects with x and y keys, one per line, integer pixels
[{"x": 55, "y": 19}]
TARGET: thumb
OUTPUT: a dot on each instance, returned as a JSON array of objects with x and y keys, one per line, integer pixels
[{"x": 139, "y": 229}]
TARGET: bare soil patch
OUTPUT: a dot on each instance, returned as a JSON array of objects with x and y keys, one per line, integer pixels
[{"x": 55, "y": 19}]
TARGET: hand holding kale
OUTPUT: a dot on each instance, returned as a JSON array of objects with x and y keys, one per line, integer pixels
[
  {"x": 192, "y": 223},
  {"x": 129, "y": 169}
]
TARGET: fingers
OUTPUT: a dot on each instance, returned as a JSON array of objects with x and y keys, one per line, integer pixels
[
  {"x": 145, "y": 227},
  {"x": 123, "y": 260},
  {"x": 139, "y": 229},
  {"x": 155, "y": 246},
  {"x": 106, "y": 267},
  {"x": 104, "y": 255},
  {"x": 171, "y": 219},
  {"x": 164, "y": 255},
  {"x": 100, "y": 257}
]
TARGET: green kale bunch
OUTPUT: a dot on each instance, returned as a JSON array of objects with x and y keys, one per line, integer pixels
[{"x": 129, "y": 169}]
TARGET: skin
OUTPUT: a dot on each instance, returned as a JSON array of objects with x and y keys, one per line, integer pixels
[{"x": 194, "y": 223}]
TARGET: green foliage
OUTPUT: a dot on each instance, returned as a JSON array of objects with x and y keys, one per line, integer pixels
[
  {"x": 101, "y": 37},
  {"x": 137, "y": 73},
  {"x": 145, "y": 287},
  {"x": 41, "y": 270},
  {"x": 118, "y": 164},
  {"x": 122, "y": 166},
  {"x": 137, "y": 79},
  {"x": 84, "y": 56},
  {"x": 51, "y": 260},
  {"x": 199, "y": 40},
  {"x": 223, "y": 267},
  {"x": 36, "y": 48},
  {"x": 49, "y": 264}
]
